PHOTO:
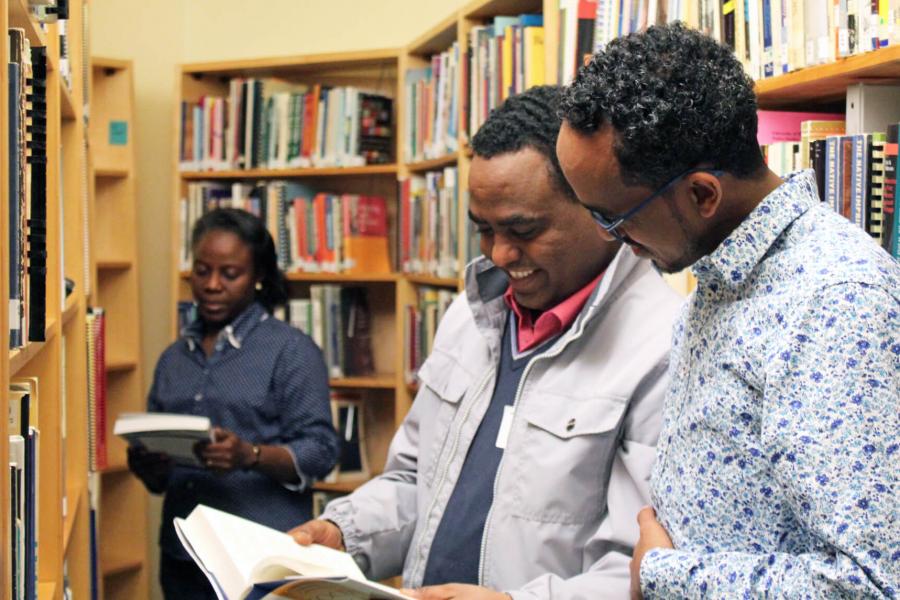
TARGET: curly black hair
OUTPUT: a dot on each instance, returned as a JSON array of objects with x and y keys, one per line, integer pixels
[
  {"x": 252, "y": 232},
  {"x": 530, "y": 119},
  {"x": 676, "y": 99}
]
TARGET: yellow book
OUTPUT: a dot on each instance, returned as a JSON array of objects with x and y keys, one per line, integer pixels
[
  {"x": 534, "y": 57},
  {"x": 507, "y": 63}
]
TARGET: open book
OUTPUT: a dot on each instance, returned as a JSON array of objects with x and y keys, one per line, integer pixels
[
  {"x": 247, "y": 561},
  {"x": 173, "y": 434}
]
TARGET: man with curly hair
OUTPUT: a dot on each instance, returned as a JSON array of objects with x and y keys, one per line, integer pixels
[
  {"x": 523, "y": 462},
  {"x": 776, "y": 472}
]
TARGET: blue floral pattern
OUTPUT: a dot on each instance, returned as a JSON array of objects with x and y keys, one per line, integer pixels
[{"x": 779, "y": 457}]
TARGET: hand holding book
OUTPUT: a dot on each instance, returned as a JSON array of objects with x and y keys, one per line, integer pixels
[{"x": 318, "y": 531}]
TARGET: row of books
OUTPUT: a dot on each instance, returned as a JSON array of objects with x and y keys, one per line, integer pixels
[
  {"x": 277, "y": 124},
  {"x": 770, "y": 37},
  {"x": 24, "y": 486},
  {"x": 432, "y": 115},
  {"x": 420, "y": 322},
  {"x": 856, "y": 174},
  {"x": 338, "y": 320},
  {"x": 27, "y": 209},
  {"x": 503, "y": 58},
  {"x": 313, "y": 232},
  {"x": 429, "y": 223}
]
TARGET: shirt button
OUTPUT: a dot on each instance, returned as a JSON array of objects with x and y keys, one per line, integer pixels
[
  {"x": 198, "y": 397},
  {"x": 570, "y": 425}
]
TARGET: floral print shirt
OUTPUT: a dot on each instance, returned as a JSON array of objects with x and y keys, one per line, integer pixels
[{"x": 778, "y": 465}]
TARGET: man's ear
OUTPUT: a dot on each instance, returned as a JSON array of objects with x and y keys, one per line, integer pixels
[{"x": 706, "y": 194}]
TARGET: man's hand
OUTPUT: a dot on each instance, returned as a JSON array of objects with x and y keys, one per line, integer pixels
[
  {"x": 455, "y": 591},
  {"x": 318, "y": 531},
  {"x": 653, "y": 535},
  {"x": 226, "y": 452}
]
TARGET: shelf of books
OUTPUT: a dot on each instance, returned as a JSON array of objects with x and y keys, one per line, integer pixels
[
  {"x": 46, "y": 542},
  {"x": 122, "y": 502}
]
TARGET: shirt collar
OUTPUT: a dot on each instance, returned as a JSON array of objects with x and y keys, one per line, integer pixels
[
  {"x": 737, "y": 255},
  {"x": 234, "y": 333},
  {"x": 531, "y": 332}
]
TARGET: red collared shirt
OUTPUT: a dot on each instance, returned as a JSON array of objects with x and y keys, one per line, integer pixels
[{"x": 532, "y": 332}]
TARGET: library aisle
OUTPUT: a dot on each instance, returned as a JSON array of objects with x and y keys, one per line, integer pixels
[{"x": 124, "y": 122}]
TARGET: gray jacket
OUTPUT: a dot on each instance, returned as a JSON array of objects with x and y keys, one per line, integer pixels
[{"x": 578, "y": 457}]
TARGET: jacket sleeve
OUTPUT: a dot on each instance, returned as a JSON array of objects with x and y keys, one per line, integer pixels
[
  {"x": 379, "y": 518},
  {"x": 608, "y": 553}
]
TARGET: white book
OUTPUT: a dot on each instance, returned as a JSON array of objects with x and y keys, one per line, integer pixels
[
  {"x": 172, "y": 434},
  {"x": 246, "y": 560}
]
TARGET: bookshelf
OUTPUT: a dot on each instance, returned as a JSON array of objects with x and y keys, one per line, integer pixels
[
  {"x": 57, "y": 362},
  {"x": 123, "y": 567},
  {"x": 391, "y": 392}
]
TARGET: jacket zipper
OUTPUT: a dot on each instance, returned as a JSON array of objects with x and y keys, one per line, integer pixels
[
  {"x": 487, "y": 520},
  {"x": 440, "y": 481}
]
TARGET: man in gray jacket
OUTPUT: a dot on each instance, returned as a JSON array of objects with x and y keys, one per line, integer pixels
[{"x": 524, "y": 460}]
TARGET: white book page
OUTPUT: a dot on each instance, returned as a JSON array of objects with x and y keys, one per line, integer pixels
[{"x": 255, "y": 547}]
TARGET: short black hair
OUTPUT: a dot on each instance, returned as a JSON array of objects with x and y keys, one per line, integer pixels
[
  {"x": 676, "y": 99},
  {"x": 530, "y": 119},
  {"x": 251, "y": 230}
]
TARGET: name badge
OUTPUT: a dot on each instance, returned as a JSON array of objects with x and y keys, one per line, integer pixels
[{"x": 505, "y": 426}]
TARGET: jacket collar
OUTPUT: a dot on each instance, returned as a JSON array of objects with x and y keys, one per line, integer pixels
[
  {"x": 486, "y": 283},
  {"x": 737, "y": 256}
]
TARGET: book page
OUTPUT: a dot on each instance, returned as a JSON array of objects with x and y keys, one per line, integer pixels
[
  {"x": 303, "y": 588},
  {"x": 254, "y": 546}
]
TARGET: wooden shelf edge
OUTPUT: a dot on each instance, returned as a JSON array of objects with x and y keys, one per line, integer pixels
[
  {"x": 389, "y": 169},
  {"x": 333, "y": 59},
  {"x": 382, "y": 382},
  {"x": 112, "y": 172},
  {"x": 120, "y": 365},
  {"x": 859, "y": 66},
  {"x": 102, "y": 62},
  {"x": 437, "y": 39},
  {"x": 432, "y": 164},
  {"x": 73, "y": 498},
  {"x": 115, "y": 469},
  {"x": 432, "y": 280},
  {"x": 20, "y": 357},
  {"x": 20, "y": 17},
  {"x": 115, "y": 265},
  {"x": 114, "y": 568}
]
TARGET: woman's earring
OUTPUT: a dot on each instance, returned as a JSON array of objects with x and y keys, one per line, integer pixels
[{"x": 259, "y": 286}]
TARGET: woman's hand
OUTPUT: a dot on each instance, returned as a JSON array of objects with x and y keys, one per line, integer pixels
[
  {"x": 153, "y": 468},
  {"x": 227, "y": 452}
]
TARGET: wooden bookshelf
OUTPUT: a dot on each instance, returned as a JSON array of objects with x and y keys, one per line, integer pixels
[
  {"x": 828, "y": 83},
  {"x": 123, "y": 500},
  {"x": 58, "y": 362}
]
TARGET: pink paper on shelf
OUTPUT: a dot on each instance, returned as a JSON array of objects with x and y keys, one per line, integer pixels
[{"x": 784, "y": 126}]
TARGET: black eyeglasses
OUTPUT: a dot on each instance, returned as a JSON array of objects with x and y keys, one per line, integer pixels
[{"x": 610, "y": 225}]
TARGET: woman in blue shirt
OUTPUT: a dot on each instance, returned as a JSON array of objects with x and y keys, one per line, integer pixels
[{"x": 262, "y": 383}]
